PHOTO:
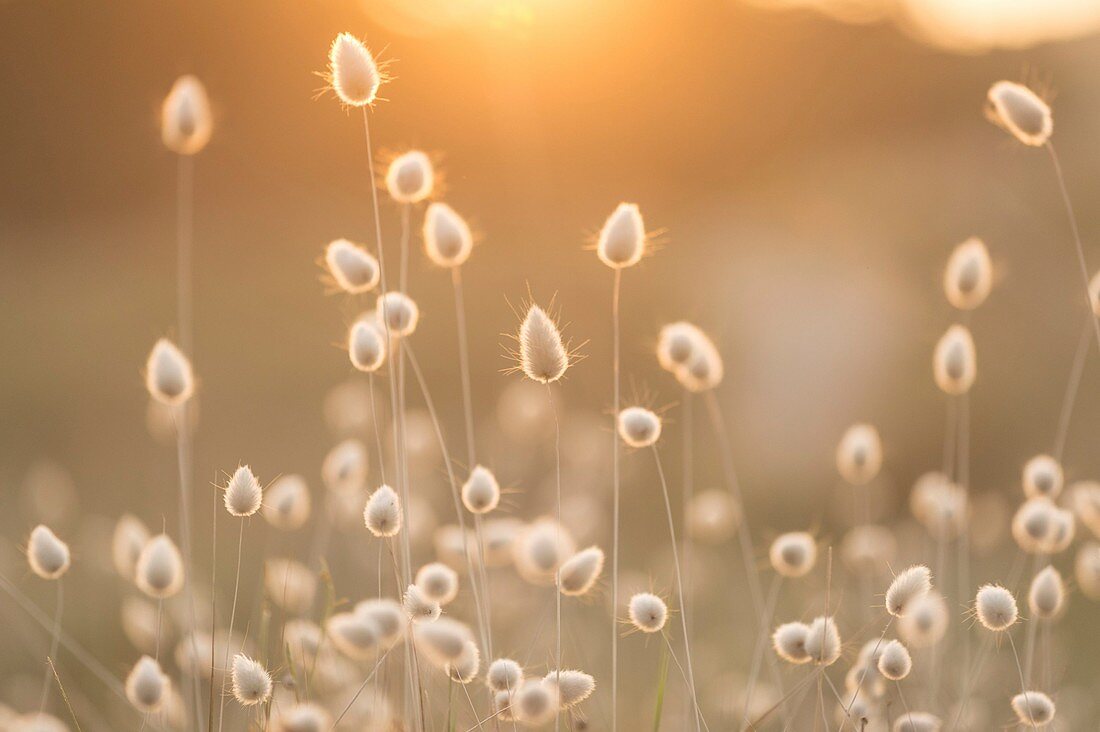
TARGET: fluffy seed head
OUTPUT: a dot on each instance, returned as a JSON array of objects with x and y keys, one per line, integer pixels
[
  {"x": 1020, "y": 112},
  {"x": 447, "y": 237},
  {"x": 354, "y": 634},
  {"x": 894, "y": 662},
  {"x": 925, "y": 621},
  {"x": 859, "y": 454},
  {"x": 823, "y": 641},
  {"x": 251, "y": 681},
  {"x": 789, "y": 642},
  {"x": 1047, "y": 594},
  {"x": 573, "y": 686},
  {"x": 939, "y": 505},
  {"x": 418, "y": 607},
  {"x": 1033, "y": 708},
  {"x": 917, "y": 722},
  {"x": 704, "y": 369},
  {"x": 648, "y": 612},
  {"x": 352, "y": 71},
  {"x": 159, "y": 571},
  {"x": 969, "y": 274},
  {"x": 713, "y": 516},
  {"x": 382, "y": 514},
  {"x": 1086, "y": 569},
  {"x": 345, "y": 466},
  {"x": 995, "y": 607},
  {"x": 438, "y": 582},
  {"x": 168, "y": 374},
  {"x": 147, "y": 685},
  {"x": 1043, "y": 476},
  {"x": 185, "y": 119},
  {"x": 542, "y": 354},
  {"x": 639, "y": 427},
  {"x": 793, "y": 554},
  {"x": 676, "y": 345},
  {"x": 579, "y": 573},
  {"x": 913, "y": 583},
  {"x": 387, "y": 616},
  {"x": 287, "y": 503},
  {"x": 504, "y": 675},
  {"x": 622, "y": 238},
  {"x": 410, "y": 177},
  {"x": 304, "y": 717},
  {"x": 444, "y": 640},
  {"x": 129, "y": 538},
  {"x": 868, "y": 548},
  {"x": 1040, "y": 527},
  {"x": 464, "y": 668},
  {"x": 541, "y": 549},
  {"x": 48, "y": 556},
  {"x": 480, "y": 492},
  {"x": 353, "y": 268},
  {"x": 243, "y": 494},
  {"x": 536, "y": 702},
  {"x": 955, "y": 361},
  {"x": 1085, "y": 499},
  {"x": 398, "y": 313}
]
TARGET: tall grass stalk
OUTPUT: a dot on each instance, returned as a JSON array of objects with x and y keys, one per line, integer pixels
[
  {"x": 761, "y": 645},
  {"x": 55, "y": 639},
  {"x": 1072, "y": 385},
  {"x": 557, "y": 543},
  {"x": 184, "y": 463},
  {"x": 616, "y": 289},
  {"x": 662, "y": 682},
  {"x": 232, "y": 620}
]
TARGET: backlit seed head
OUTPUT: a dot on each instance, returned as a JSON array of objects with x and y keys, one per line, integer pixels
[
  {"x": 704, "y": 369},
  {"x": 1043, "y": 476},
  {"x": 140, "y": 624},
  {"x": 464, "y": 668},
  {"x": 917, "y": 722},
  {"x": 995, "y": 607},
  {"x": 894, "y": 662},
  {"x": 648, "y": 612},
  {"x": 579, "y": 573},
  {"x": 345, "y": 466},
  {"x": 955, "y": 361},
  {"x": 128, "y": 540},
  {"x": 185, "y": 119},
  {"x": 382, "y": 514},
  {"x": 573, "y": 686},
  {"x": 639, "y": 427},
  {"x": 541, "y": 549},
  {"x": 410, "y": 177},
  {"x": 859, "y": 454},
  {"x": 1033, "y": 708},
  {"x": 302, "y": 717},
  {"x": 1040, "y": 527},
  {"x": 1047, "y": 594},
  {"x": 159, "y": 570},
  {"x": 251, "y": 681},
  {"x": 352, "y": 71},
  {"x": 502, "y": 706},
  {"x": 353, "y": 268},
  {"x": 1085, "y": 499},
  {"x": 1020, "y": 112},
  {"x": 793, "y": 554},
  {"x": 447, "y": 237},
  {"x": 542, "y": 354},
  {"x": 499, "y": 535},
  {"x": 925, "y": 621},
  {"x": 823, "y": 641},
  {"x": 354, "y": 634},
  {"x": 387, "y": 616},
  {"x": 713, "y": 516},
  {"x": 504, "y": 675},
  {"x": 438, "y": 582},
  {"x": 789, "y": 642},
  {"x": 147, "y": 685},
  {"x": 912, "y": 584},
  {"x": 868, "y": 548},
  {"x": 168, "y": 374},
  {"x": 536, "y": 702},
  {"x": 398, "y": 314},
  {"x": 287, "y": 503},
  {"x": 622, "y": 238},
  {"x": 676, "y": 345},
  {"x": 418, "y": 607},
  {"x": 243, "y": 494},
  {"x": 47, "y": 555},
  {"x": 480, "y": 492},
  {"x": 442, "y": 641},
  {"x": 1086, "y": 570},
  {"x": 291, "y": 585},
  {"x": 969, "y": 275},
  {"x": 939, "y": 505}
]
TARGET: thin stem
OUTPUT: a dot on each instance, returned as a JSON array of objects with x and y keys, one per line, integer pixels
[
  {"x": 557, "y": 540},
  {"x": 477, "y": 717},
  {"x": 362, "y": 686},
  {"x": 375, "y": 430},
  {"x": 968, "y": 687},
  {"x": 183, "y": 459},
  {"x": 232, "y": 620},
  {"x": 1070, "y": 398},
  {"x": 213, "y": 604},
  {"x": 904, "y": 704},
  {"x": 863, "y": 673},
  {"x": 1023, "y": 684},
  {"x": 761, "y": 642},
  {"x": 679, "y": 579},
  {"x": 403, "y": 282},
  {"x": 615, "y": 478},
  {"x": 688, "y": 479},
  {"x": 686, "y": 677},
  {"x": 1076, "y": 233},
  {"x": 55, "y": 639}
]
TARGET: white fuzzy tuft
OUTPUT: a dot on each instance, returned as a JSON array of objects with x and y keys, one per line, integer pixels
[
  {"x": 504, "y": 675},
  {"x": 480, "y": 492},
  {"x": 353, "y": 268},
  {"x": 911, "y": 584},
  {"x": 251, "y": 681},
  {"x": 579, "y": 573},
  {"x": 793, "y": 554},
  {"x": 1021, "y": 112},
  {"x": 573, "y": 686},
  {"x": 410, "y": 178},
  {"x": 969, "y": 275},
  {"x": 894, "y": 661},
  {"x": 287, "y": 504},
  {"x": 542, "y": 354},
  {"x": 353, "y": 73},
  {"x": 995, "y": 608},
  {"x": 159, "y": 571},
  {"x": 243, "y": 494},
  {"x": 955, "y": 361},
  {"x": 648, "y": 612},
  {"x": 147, "y": 685},
  {"x": 859, "y": 454},
  {"x": 419, "y": 608},
  {"x": 447, "y": 237},
  {"x": 639, "y": 427},
  {"x": 1047, "y": 595},
  {"x": 48, "y": 556},
  {"x": 168, "y": 376},
  {"x": 382, "y": 514},
  {"x": 789, "y": 642},
  {"x": 823, "y": 641},
  {"x": 438, "y": 582},
  {"x": 622, "y": 238},
  {"x": 185, "y": 120},
  {"x": 397, "y": 313},
  {"x": 1033, "y": 708}
]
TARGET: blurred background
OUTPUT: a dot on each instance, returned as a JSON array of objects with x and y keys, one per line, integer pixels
[{"x": 809, "y": 164}]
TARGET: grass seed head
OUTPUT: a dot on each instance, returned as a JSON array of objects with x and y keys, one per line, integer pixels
[
  {"x": 622, "y": 239},
  {"x": 345, "y": 466},
  {"x": 448, "y": 240},
  {"x": 639, "y": 427},
  {"x": 48, "y": 556},
  {"x": 352, "y": 71},
  {"x": 481, "y": 491},
  {"x": 1042, "y": 476},
  {"x": 542, "y": 354},
  {"x": 894, "y": 662},
  {"x": 464, "y": 668},
  {"x": 535, "y": 703},
  {"x": 159, "y": 571},
  {"x": 925, "y": 621},
  {"x": 387, "y": 616},
  {"x": 793, "y": 554},
  {"x": 147, "y": 685},
  {"x": 291, "y": 585},
  {"x": 443, "y": 641},
  {"x": 382, "y": 514},
  {"x": 676, "y": 345},
  {"x": 168, "y": 375},
  {"x": 1033, "y": 708},
  {"x": 868, "y": 548},
  {"x": 573, "y": 686},
  {"x": 995, "y": 608},
  {"x": 1020, "y": 112},
  {"x": 1086, "y": 570},
  {"x": 859, "y": 454},
  {"x": 504, "y": 675},
  {"x": 410, "y": 177},
  {"x": 127, "y": 541},
  {"x": 185, "y": 119},
  {"x": 397, "y": 313},
  {"x": 789, "y": 642},
  {"x": 1047, "y": 595},
  {"x": 251, "y": 681},
  {"x": 917, "y": 722},
  {"x": 541, "y": 549},
  {"x": 418, "y": 607},
  {"x": 353, "y": 268},
  {"x": 579, "y": 573},
  {"x": 911, "y": 584},
  {"x": 353, "y": 634},
  {"x": 438, "y": 582},
  {"x": 955, "y": 361},
  {"x": 287, "y": 504},
  {"x": 823, "y": 641},
  {"x": 969, "y": 274},
  {"x": 302, "y": 717},
  {"x": 243, "y": 494},
  {"x": 648, "y": 613}
]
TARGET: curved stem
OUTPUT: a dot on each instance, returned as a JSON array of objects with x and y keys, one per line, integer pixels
[
  {"x": 1072, "y": 386},
  {"x": 761, "y": 642},
  {"x": 232, "y": 620}
]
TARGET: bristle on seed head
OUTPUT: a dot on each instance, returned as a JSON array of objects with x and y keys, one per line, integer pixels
[
  {"x": 168, "y": 374},
  {"x": 352, "y": 71},
  {"x": 622, "y": 239},
  {"x": 251, "y": 681},
  {"x": 909, "y": 585},
  {"x": 185, "y": 120},
  {"x": 542, "y": 353},
  {"x": 410, "y": 177},
  {"x": 448, "y": 240},
  {"x": 352, "y": 268},
  {"x": 243, "y": 494},
  {"x": 639, "y": 427},
  {"x": 1020, "y": 112},
  {"x": 48, "y": 556}
]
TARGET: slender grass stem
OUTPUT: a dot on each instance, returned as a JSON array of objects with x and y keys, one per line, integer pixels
[
  {"x": 685, "y": 675},
  {"x": 184, "y": 463},
  {"x": 362, "y": 686},
  {"x": 55, "y": 639},
  {"x": 1023, "y": 683},
  {"x": 662, "y": 682},
  {"x": 1072, "y": 386},
  {"x": 232, "y": 620},
  {"x": 615, "y": 480},
  {"x": 761, "y": 644},
  {"x": 557, "y": 541}
]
